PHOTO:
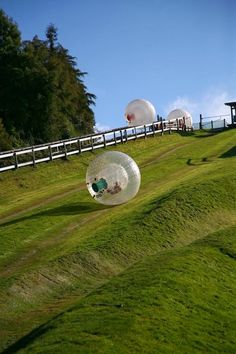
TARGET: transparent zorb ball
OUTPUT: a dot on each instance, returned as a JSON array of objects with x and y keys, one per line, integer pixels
[
  {"x": 181, "y": 113},
  {"x": 113, "y": 178},
  {"x": 140, "y": 112}
]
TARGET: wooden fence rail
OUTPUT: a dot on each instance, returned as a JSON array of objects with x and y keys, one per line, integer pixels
[{"x": 30, "y": 156}]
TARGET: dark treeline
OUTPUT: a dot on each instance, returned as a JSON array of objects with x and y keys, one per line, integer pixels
[{"x": 42, "y": 94}]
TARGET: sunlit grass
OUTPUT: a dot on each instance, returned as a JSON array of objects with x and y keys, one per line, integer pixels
[{"x": 58, "y": 245}]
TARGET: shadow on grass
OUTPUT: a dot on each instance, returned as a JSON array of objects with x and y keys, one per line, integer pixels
[
  {"x": 67, "y": 209},
  {"x": 209, "y": 133},
  {"x": 230, "y": 153},
  {"x": 198, "y": 162},
  {"x": 199, "y": 134},
  {"x": 185, "y": 133},
  {"x": 29, "y": 338}
]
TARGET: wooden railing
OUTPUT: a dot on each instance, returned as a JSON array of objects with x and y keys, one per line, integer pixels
[{"x": 30, "y": 156}]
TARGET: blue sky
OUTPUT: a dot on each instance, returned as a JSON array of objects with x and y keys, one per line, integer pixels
[{"x": 174, "y": 53}]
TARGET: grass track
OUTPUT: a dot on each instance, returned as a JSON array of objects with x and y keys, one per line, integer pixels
[{"x": 61, "y": 253}]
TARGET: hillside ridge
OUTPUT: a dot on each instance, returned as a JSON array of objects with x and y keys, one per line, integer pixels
[{"x": 57, "y": 252}]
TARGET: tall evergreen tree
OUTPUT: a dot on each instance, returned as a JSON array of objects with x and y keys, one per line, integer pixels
[
  {"x": 51, "y": 34},
  {"x": 10, "y": 72},
  {"x": 42, "y": 94}
]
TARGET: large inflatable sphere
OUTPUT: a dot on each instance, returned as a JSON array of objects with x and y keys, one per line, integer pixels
[
  {"x": 181, "y": 113},
  {"x": 113, "y": 178},
  {"x": 140, "y": 112}
]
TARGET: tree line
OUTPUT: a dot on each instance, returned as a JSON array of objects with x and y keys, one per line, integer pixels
[{"x": 42, "y": 93}]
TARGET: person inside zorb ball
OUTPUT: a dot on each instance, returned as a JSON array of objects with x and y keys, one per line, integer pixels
[
  {"x": 140, "y": 112},
  {"x": 113, "y": 178}
]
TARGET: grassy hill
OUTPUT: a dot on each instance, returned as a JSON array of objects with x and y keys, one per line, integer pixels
[{"x": 156, "y": 275}]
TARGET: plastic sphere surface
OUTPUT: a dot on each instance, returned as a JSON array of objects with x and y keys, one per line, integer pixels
[
  {"x": 140, "y": 112},
  {"x": 181, "y": 113},
  {"x": 113, "y": 178}
]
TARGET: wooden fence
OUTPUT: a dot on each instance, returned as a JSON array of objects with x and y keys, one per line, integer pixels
[{"x": 30, "y": 156}]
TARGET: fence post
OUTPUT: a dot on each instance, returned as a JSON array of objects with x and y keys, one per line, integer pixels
[
  {"x": 121, "y": 137},
  {"x": 211, "y": 124},
  {"x": 79, "y": 146},
  {"x": 177, "y": 122},
  {"x": 91, "y": 140},
  {"x": 33, "y": 156},
  {"x": 65, "y": 150},
  {"x": 126, "y": 135},
  {"x": 104, "y": 140},
  {"x": 153, "y": 129},
  {"x": 16, "y": 160},
  {"x": 162, "y": 128},
  {"x": 135, "y": 132},
  {"x": 200, "y": 123},
  {"x": 224, "y": 123},
  {"x": 115, "y": 137},
  {"x": 50, "y": 152},
  {"x": 145, "y": 130}
]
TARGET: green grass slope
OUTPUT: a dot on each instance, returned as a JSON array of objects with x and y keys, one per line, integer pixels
[{"x": 157, "y": 275}]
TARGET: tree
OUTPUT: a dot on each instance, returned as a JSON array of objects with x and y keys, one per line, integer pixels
[
  {"x": 42, "y": 94},
  {"x": 10, "y": 41},
  {"x": 51, "y": 34},
  {"x": 5, "y": 140},
  {"x": 9, "y": 35}
]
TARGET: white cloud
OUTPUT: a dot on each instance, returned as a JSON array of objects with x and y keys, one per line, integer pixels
[
  {"x": 101, "y": 127},
  {"x": 211, "y": 103},
  {"x": 214, "y": 104},
  {"x": 183, "y": 103}
]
